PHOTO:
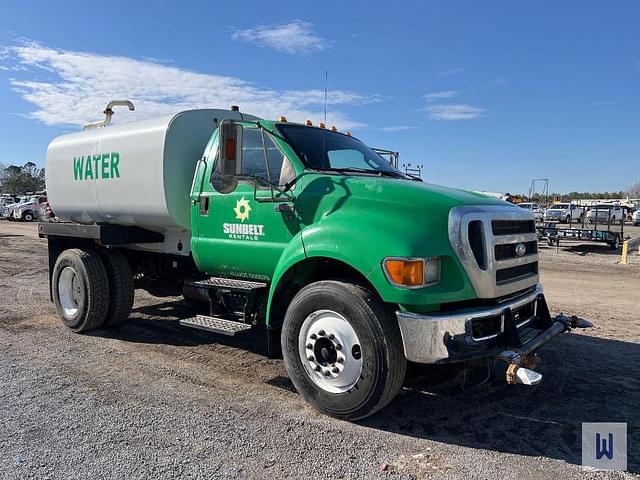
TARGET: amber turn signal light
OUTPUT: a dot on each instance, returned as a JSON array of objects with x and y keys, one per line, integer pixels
[{"x": 405, "y": 272}]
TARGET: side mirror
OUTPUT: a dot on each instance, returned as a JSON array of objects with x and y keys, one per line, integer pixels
[
  {"x": 228, "y": 154},
  {"x": 224, "y": 178}
]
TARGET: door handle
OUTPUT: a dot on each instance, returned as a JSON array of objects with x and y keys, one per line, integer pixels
[{"x": 204, "y": 204}]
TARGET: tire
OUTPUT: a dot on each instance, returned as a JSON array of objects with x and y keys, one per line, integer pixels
[
  {"x": 121, "y": 287},
  {"x": 567, "y": 219},
  {"x": 615, "y": 244},
  {"x": 372, "y": 360},
  {"x": 80, "y": 288},
  {"x": 27, "y": 216},
  {"x": 581, "y": 218}
]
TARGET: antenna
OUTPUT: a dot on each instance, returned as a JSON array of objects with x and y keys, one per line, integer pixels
[{"x": 326, "y": 81}]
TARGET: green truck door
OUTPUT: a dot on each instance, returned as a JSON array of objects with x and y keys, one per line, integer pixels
[{"x": 237, "y": 234}]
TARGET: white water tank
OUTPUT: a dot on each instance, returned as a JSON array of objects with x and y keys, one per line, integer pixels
[{"x": 139, "y": 173}]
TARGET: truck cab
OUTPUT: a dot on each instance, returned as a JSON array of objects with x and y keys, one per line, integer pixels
[{"x": 351, "y": 267}]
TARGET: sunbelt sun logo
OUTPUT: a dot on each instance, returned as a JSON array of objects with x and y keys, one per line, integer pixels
[
  {"x": 94, "y": 167},
  {"x": 242, "y": 209},
  {"x": 243, "y": 231}
]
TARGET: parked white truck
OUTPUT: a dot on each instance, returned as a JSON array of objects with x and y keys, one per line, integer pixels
[
  {"x": 606, "y": 213},
  {"x": 564, "y": 213},
  {"x": 32, "y": 209}
]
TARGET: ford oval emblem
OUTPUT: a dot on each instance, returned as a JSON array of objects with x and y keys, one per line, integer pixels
[{"x": 521, "y": 249}]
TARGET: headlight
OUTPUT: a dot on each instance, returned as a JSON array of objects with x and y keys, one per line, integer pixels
[{"x": 412, "y": 272}]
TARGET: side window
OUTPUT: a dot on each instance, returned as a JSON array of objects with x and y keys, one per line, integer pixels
[
  {"x": 249, "y": 152},
  {"x": 280, "y": 169},
  {"x": 253, "y": 162}
]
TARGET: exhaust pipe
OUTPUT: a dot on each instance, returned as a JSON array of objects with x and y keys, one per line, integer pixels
[{"x": 517, "y": 366}]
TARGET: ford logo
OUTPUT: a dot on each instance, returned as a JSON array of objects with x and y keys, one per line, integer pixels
[{"x": 521, "y": 249}]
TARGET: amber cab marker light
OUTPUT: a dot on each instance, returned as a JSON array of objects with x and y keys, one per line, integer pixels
[
  {"x": 282, "y": 119},
  {"x": 334, "y": 128},
  {"x": 308, "y": 123},
  {"x": 322, "y": 125},
  {"x": 348, "y": 134},
  {"x": 405, "y": 272}
]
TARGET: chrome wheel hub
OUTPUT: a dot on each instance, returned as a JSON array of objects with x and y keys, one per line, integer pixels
[
  {"x": 330, "y": 351},
  {"x": 70, "y": 292}
]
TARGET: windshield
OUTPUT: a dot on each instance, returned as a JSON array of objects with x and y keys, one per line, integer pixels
[
  {"x": 525, "y": 205},
  {"x": 560, "y": 206},
  {"x": 326, "y": 150},
  {"x": 604, "y": 207}
]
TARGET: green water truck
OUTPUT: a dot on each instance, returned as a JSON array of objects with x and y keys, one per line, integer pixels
[{"x": 350, "y": 267}]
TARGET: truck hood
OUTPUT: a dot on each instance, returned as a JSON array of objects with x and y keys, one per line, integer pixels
[
  {"x": 377, "y": 207},
  {"x": 409, "y": 193},
  {"x": 360, "y": 220}
]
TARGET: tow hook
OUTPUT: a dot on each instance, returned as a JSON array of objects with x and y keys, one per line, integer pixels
[{"x": 517, "y": 365}]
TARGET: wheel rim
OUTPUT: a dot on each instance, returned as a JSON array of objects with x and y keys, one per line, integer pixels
[
  {"x": 330, "y": 351},
  {"x": 70, "y": 292}
]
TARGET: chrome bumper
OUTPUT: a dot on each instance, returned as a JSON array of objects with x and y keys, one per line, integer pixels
[{"x": 449, "y": 337}]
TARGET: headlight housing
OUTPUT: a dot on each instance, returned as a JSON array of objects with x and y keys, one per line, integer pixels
[{"x": 412, "y": 272}]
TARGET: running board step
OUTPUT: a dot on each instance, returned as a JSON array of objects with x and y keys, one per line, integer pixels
[
  {"x": 228, "y": 283},
  {"x": 215, "y": 324}
]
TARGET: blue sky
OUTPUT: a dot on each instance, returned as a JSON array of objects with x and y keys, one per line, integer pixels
[{"x": 486, "y": 95}]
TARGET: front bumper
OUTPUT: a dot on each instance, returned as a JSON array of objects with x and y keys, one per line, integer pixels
[{"x": 475, "y": 333}]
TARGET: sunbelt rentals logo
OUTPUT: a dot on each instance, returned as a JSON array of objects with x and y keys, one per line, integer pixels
[{"x": 243, "y": 231}]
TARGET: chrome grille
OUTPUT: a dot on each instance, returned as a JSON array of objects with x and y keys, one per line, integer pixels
[{"x": 487, "y": 241}]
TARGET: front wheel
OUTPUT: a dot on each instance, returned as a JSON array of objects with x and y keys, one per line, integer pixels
[
  {"x": 342, "y": 349},
  {"x": 27, "y": 217}
]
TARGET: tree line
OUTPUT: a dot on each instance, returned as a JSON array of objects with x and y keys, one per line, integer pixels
[{"x": 17, "y": 180}]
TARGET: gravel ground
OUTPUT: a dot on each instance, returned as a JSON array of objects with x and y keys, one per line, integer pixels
[{"x": 153, "y": 400}]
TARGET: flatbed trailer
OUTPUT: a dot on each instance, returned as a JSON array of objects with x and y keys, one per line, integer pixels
[{"x": 582, "y": 232}]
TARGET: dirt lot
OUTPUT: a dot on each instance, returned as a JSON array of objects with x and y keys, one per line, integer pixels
[{"x": 153, "y": 400}]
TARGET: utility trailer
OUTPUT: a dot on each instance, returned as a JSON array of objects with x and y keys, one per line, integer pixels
[{"x": 583, "y": 232}]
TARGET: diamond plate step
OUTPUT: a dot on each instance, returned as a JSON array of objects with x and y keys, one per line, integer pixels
[
  {"x": 214, "y": 282},
  {"x": 215, "y": 324}
]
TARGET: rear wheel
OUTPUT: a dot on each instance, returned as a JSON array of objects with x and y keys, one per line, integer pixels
[
  {"x": 27, "y": 216},
  {"x": 567, "y": 219},
  {"x": 120, "y": 287},
  {"x": 615, "y": 243},
  {"x": 342, "y": 349},
  {"x": 80, "y": 288}
]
